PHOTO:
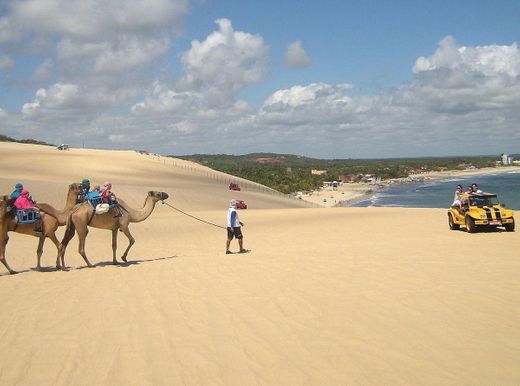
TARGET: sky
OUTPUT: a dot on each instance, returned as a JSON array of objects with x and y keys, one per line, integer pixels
[{"x": 325, "y": 79}]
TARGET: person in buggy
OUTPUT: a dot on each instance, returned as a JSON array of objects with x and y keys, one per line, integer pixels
[
  {"x": 25, "y": 203},
  {"x": 457, "y": 200}
]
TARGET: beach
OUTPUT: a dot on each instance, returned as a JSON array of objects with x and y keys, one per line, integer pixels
[
  {"x": 327, "y": 296},
  {"x": 346, "y": 194}
]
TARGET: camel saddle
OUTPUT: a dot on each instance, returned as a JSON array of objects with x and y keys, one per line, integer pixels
[{"x": 27, "y": 216}]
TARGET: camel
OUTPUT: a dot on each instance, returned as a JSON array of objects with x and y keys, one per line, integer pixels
[
  {"x": 49, "y": 224},
  {"x": 83, "y": 216}
]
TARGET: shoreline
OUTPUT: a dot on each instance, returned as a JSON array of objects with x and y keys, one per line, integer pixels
[{"x": 348, "y": 194}]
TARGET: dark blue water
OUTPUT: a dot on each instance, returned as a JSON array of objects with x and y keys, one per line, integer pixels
[{"x": 439, "y": 194}]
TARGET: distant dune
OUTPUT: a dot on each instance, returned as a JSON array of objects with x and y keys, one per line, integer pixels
[{"x": 327, "y": 296}]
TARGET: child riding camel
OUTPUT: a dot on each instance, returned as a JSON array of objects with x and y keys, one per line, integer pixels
[
  {"x": 110, "y": 198},
  {"x": 24, "y": 202}
]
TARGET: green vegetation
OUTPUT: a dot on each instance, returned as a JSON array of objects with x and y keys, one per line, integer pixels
[
  {"x": 5, "y": 138},
  {"x": 290, "y": 173}
]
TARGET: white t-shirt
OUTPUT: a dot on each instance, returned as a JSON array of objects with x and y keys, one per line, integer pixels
[{"x": 232, "y": 218}]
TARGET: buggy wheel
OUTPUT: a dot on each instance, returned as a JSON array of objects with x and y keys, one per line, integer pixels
[
  {"x": 510, "y": 227},
  {"x": 451, "y": 223},
  {"x": 470, "y": 225}
]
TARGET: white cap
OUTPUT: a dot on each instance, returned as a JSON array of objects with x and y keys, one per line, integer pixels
[{"x": 232, "y": 203}]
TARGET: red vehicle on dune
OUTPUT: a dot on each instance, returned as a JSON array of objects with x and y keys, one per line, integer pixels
[
  {"x": 233, "y": 186},
  {"x": 241, "y": 204}
]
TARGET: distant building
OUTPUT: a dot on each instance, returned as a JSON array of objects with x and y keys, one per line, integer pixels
[
  {"x": 267, "y": 160},
  {"x": 506, "y": 159},
  {"x": 318, "y": 172}
]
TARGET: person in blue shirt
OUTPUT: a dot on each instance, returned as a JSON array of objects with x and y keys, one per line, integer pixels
[
  {"x": 17, "y": 191},
  {"x": 234, "y": 228}
]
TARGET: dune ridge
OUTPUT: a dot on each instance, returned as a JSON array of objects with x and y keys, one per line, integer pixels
[{"x": 361, "y": 296}]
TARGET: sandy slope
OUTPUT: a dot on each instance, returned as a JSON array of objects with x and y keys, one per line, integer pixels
[{"x": 326, "y": 297}]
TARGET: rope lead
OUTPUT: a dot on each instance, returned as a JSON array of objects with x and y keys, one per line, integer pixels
[{"x": 196, "y": 218}]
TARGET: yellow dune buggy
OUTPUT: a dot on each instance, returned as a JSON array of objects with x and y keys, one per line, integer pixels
[{"x": 480, "y": 210}]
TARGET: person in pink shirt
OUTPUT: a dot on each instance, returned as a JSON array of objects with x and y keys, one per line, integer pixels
[
  {"x": 25, "y": 201},
  {"x": 105, "y": 193},
  {"x": 109, "y": 198}
]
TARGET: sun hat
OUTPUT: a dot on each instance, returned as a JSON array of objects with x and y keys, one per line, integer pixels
[
  {"x": 232, "y": 203},
  {"x": 85, "y": 181},
  {"x": 18, "y": 186}
]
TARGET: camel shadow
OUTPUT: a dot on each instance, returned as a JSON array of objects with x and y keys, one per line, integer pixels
[
  {"x": 41, "y": 269},
  {"x": 127, "y": 263},
  {"x": 99, "y": 264}
]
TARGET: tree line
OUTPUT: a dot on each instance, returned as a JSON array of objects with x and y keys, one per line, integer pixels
[{"x": 291, "y": 173}]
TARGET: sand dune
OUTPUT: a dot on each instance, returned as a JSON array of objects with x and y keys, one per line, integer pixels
[{"x": 328, "y": 296}]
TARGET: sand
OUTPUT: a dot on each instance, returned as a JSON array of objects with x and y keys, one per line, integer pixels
[{"x": 327, "y": 296}]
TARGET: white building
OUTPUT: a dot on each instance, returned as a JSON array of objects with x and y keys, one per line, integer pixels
[{"x": 506, "y": 159}]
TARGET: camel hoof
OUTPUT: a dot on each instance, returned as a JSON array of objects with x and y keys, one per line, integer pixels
[
  {"x": 65, "y": 269},
  {"x": 13, "y": 272}
]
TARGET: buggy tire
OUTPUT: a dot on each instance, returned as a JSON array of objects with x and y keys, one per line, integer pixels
[
  {"x": 510, "y": 227},
  {"x": 451, "y": 223},
  {"x": 470, "y": 225}
]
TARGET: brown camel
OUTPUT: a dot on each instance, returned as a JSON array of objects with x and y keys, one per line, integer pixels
[
  {"x": 49, "y": 224},
  {"x": 83, "y": 216}
]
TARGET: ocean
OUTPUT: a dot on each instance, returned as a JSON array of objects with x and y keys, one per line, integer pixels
[{"x": 439, "y": 193}]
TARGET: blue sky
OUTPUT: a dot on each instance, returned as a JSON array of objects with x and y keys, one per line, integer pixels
[{"x": 325, "y": 79}]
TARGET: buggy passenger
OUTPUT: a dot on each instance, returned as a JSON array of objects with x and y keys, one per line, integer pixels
[{"x": 457, "y": 200}]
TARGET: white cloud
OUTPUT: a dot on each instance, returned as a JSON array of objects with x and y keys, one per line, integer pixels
[
  {"x": 224, "y": 63},
  {"x": 59, "y": 96},
  {"x": 92, "y": 42},
  {"x": 295, "y": 55},
  {"x": 490, "y": 60},
  {"x": 96, "y": 20}
]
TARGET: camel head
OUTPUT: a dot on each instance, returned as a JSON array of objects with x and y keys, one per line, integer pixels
[
  {"x": 75, "y": 187},
  {"x": 157, "y": 196}
]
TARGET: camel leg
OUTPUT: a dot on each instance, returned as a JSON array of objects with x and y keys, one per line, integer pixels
[
  {"x": 56, "y": 242},
  {"x": 3, "y": 246},
  {"x": 69, "y": 234},
  {"x": 39, "y": 252},
  {"x": 82, "y": 235},
  {"x": 114, "y": 246},
  {"x": 131, "y": 242},
  {"x": 4, "y": 262}
]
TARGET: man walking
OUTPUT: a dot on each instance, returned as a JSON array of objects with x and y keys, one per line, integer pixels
[{"x": 234, "y": 228}]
